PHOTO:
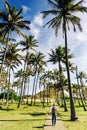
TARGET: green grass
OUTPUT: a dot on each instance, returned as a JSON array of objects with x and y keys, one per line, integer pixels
[
  {"x": 33, "y": 117},
  {"x": 25, "y": 118},
  {"x": 80, "y": 124}
]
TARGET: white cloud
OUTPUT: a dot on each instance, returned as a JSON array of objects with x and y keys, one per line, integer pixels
[
  {"x": 19, "y": 38},
  {"x": 35, "y": 30},
  {"x": 35, "y": 25},
  {"x": 25, "y": 8},
  {"x": 38, "y": 20}
]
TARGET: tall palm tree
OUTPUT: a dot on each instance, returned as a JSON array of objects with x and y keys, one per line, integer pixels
[
  {"x": 19, "y": 74},
  {"x": 80, "y": 75},
  {"x": 12, "y": 60},
  {"x": 75, "y": 91},
  {"x": 49, "y": 75},
  {"x": 58, "y": 56},
  {"x": 63, "y": 15},
  {"x": 43, "y": 84},
  {"x": 28, "y": 44},
  {"x": 38, "y": 62},
  {"x": 11, "y": 20}
]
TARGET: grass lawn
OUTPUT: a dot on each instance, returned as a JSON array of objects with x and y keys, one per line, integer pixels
[
  {"x": 80, "y": 124},
  {"x": 33, "y": 118},
  {"x": 25, "y": 118}
]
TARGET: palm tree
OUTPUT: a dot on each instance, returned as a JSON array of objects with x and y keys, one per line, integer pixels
[
  {"x": 12, "y": 60},
  {"x": 62, "y": 11},
  {"x": 80, "y": 75},
  {"x": 19, "y": 74},
  {"x": 58, "y": 56},
  {"x": 11, "y": 20},
  {"x": 43, "y": 83},
  {"x": 75, "y": 91},
  {"x": 56, "y": 86},
  {"x": 29, "y": 43},
  {"x": 38, "y": 61},
  {"x": 49, "y": 75}
]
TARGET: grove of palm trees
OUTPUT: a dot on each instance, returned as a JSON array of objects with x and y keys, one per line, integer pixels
[{"x": 26, "y": 82}]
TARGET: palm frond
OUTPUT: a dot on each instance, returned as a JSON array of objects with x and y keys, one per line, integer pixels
[{"x": 54, "y": 4}]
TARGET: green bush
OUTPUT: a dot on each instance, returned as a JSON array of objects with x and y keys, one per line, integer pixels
[{"x": 12, "y": 95}]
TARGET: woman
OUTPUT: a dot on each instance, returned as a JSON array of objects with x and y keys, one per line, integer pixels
[{"x": 53, "y": 111}]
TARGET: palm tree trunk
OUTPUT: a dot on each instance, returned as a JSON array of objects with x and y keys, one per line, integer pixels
[
  {"x": 22, "y": 87},
  {"x": 47, "y": 95},
  {"x": 28, "y": 89},
  {"x": 60, "y": 70},
  {"x": 40, "y": 89},
  {"x": 83, "y": 91},
  {"x": 78, "y": 99},
  {"x": 80, "y": 92},
  {"x": 44, "y": 97},
  {"x": 12, "y": 88},
  {"x": 7, "y": 100},
  {"x": 36, "y": 88},
  {"x": 4, "y": 54},
  {"x": 21, "y": 94},
  {"x": 33, "y": 89},
  {"x": 72, "y": 107}
]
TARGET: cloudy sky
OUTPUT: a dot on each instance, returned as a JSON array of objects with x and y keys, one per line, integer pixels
[{"x": 77, "y": 42}]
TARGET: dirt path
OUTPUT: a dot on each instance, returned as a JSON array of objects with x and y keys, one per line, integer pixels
[{"x": 59, "y": 124}]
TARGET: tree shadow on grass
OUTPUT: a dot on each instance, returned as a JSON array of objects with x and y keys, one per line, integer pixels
[
  {"x": 22, "y": 120},
  {"x": 70, "y": 120},
  {"x": 6, "y": 109},
  {"x": 39, "y": 127},
  {"x": 38, "y": 114},
  {"x": 47, "y": 125},
  {"x": 34, "y": 114}
]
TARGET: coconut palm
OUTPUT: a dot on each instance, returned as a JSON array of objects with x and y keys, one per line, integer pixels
[
  {"x": 19, "y": 74},
  {"x": 80, "y": 76},
  {"x": 43, "y": 84},
  {"x": 38, "y": 61},
  {"x": 28, "y": 44},
  {"x": 63, "y": 11},
  {"x": 12, "y": 60},
  {"x": 49, "y": 74},
  {"x": 58, "y": 56},
  {"x": 76, "y": 93},
  {"x": 12, "y": 20}
]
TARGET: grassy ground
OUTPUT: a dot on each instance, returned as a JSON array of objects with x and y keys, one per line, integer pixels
[
  {"x": 33, "y": 118},
  {"x": 25, "y": 118},
  {"x": 80, "y": 124}
]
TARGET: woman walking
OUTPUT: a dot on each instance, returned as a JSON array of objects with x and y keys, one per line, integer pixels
[{"x": 53, "y": 111}]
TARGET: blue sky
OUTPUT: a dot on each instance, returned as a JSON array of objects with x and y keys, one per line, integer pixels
[{"x": 77, "y": 42}]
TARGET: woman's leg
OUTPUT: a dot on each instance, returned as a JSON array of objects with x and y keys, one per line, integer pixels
[{"x": 53, "y": 119}]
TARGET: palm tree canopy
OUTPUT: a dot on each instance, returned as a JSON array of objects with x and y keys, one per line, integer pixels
[
  {"x": 58, "y": 55},
  {"x": 63, "y": 9},
  {"x": 19, "y": 73},
  {"x": 37, "y": 59},
  {"x": 13, "y": 20},
  {"x": 82, "y": 75},
  {"x": 12, "y": 56},
  {"x": 29, "y": 43}
]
